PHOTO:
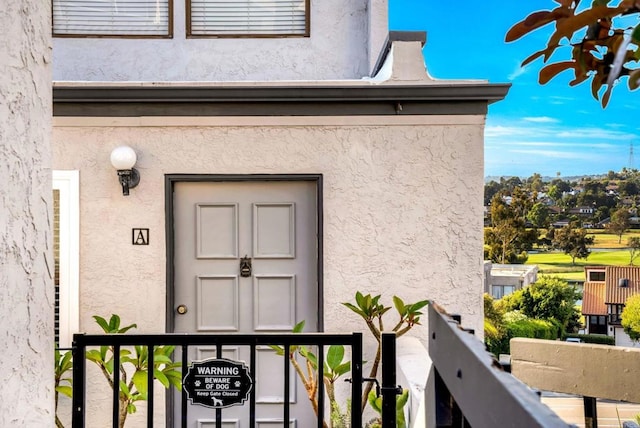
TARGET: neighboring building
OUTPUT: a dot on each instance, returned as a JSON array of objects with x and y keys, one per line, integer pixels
[
  {"x": 606, "y": 290},
  {"x": 503, "y": 279},
  {"x": 317, "y": 151},
  {"x": 582, "y": 210}
]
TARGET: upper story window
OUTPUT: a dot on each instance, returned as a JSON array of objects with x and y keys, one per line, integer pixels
[
  {"x": 596, "y": 275},
  {"x": 112, "y": 18},
  {"x": 247, "y": 18}
]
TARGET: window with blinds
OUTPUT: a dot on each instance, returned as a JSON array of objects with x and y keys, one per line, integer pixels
[
  {"x": 234, "y": 18},
  {"x": 139, "y": 18}
]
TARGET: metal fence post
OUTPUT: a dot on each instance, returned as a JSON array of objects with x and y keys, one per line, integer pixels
[
  {"x": 389, "y": 389},
  {"x": 79, "y": 367}
]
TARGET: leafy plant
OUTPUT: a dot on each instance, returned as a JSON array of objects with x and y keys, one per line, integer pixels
[
  {"x": 375, "y": 402},
  {"x": 371, "y": 311},
  {"x": 603, "y": 41},
  {"x": 334, "y": 368},
  {"x": 134, "y": 388},
  {"x": 63, "y": 380}
]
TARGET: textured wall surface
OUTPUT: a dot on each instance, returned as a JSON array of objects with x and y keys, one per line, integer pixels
[
  {"x": 402, "y": 209},
  {"x": 337, "y": 49},
  {"x": 26, "y": 283}
]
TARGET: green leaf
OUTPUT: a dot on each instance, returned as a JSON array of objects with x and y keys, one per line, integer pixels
[
  {"x": 359, "y": 299},
  {"x": 114, "y": 323},
  {"x": 366, "y": 304},
  {"x": 67, "y": 363},
  {"x": 375, "y": 402},
  {"x": 278, "y": 349},
  {"x": 162, "y": 378},
  {"x": 164, "y": 350},
  {"x": 343, "y": 368},
  {"x": 355, "y": 309},
  {"x": 335, "y": 354},
  {"x": 66, "y": 390},
  {"x": 103, "y": 352},
  {"x": 94, "y": 355},
  {"x": 418, "y": 305},
  {"x": 175, "y": 379},
  {"x": 402, "y": 399},
  {"x": 127, "y": 328},
  {"x": 108, "y": 365},
  {"x": 299, "y": 327},
  {"x": 124, "y": 389},
  {"x": 102, "y": 323},
  {"x": 159, "y": 359},
  {"x": 140, "y": 382},
  {"x": 399, "y": 304}
]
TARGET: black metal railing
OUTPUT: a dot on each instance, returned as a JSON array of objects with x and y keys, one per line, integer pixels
[
  {"x": 472, "y": 389},
  {"x": 182, "y": 342}
]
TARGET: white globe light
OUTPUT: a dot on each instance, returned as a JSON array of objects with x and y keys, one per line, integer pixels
[{"x": 123, "y": 157}]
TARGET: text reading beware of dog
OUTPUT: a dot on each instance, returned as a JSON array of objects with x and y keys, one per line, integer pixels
[{"x": 217, "y": 383}]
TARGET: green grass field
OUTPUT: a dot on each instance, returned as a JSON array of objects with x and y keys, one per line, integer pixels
[
  {"x": 608, "y": 240},
  {"x": 559, "y": 264}
]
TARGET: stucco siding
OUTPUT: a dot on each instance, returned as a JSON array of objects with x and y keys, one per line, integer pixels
[
  {"x": 26, "y": 249},
  {"x": 402, "y": 209},
  {"x": 340, "y": 47}
]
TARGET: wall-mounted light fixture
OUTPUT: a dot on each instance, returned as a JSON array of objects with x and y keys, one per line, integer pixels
[{"x": 123, "y": 159}]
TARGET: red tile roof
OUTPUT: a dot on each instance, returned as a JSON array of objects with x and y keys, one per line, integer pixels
[
  {"x": 615, "y": 294},
  {"x": 593, "y": 299}
]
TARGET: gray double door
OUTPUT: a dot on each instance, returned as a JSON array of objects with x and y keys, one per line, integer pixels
[{"x": 245, "y": 261}]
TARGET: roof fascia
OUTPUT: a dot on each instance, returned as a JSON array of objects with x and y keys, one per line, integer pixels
[{"x": 307, "y": 100}]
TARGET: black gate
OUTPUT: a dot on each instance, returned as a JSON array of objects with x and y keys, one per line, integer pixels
[{"x": 321, "y": 341}]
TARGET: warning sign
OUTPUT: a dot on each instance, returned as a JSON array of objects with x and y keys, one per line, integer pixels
[{"x": 217, "y": 383}]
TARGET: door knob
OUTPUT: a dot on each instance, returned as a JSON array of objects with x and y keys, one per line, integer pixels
[{"x": 181, "y": 309}]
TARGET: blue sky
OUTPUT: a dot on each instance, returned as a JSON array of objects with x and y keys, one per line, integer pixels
[{"x": 538, "y": 128}]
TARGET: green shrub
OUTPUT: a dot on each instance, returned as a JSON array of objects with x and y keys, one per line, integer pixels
[
  {"x": 519, "y": 325},
  {"x": 598, "y": 339}
]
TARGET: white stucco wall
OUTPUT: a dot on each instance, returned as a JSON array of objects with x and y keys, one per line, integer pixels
[
  {"x": 26, "y": 284},
  {"x": 346, "y": 37},
  {"x": 623, "y": 339},
  {"x": 402, "y": 204}
]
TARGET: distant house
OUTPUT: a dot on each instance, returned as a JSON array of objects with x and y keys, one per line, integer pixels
[
  {"x": 606, "y": 290},
  {"x": 582, "y": 210},
  {"x": 503, "y": 279}
]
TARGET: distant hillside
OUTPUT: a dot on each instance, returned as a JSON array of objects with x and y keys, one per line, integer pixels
[{"x": 546, "y": 179}]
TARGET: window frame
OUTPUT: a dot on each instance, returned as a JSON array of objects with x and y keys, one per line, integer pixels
[
  {"x": 595, "y": 274},
  {"x": 68, "y": 185},
  {"x": 169, "y": 35},
  {"x": 190, "y": 35}
]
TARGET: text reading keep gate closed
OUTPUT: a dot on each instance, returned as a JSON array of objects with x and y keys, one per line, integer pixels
[{"x": 217, "y": 383}]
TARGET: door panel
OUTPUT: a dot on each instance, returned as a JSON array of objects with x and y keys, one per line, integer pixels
[{"x": 275, "y": 225}]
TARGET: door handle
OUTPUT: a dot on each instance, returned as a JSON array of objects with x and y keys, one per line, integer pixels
[
  {"x": 181, "y": 309},
  {"x": 245, "y": 267}
]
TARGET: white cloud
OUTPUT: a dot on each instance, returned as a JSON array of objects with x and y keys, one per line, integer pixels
[
  {"x": 517, "y": 72},
  {"x": 558, "y": 154},
  {"x": 541, "y": 119},
  {"x": 596, "y": 133}
]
